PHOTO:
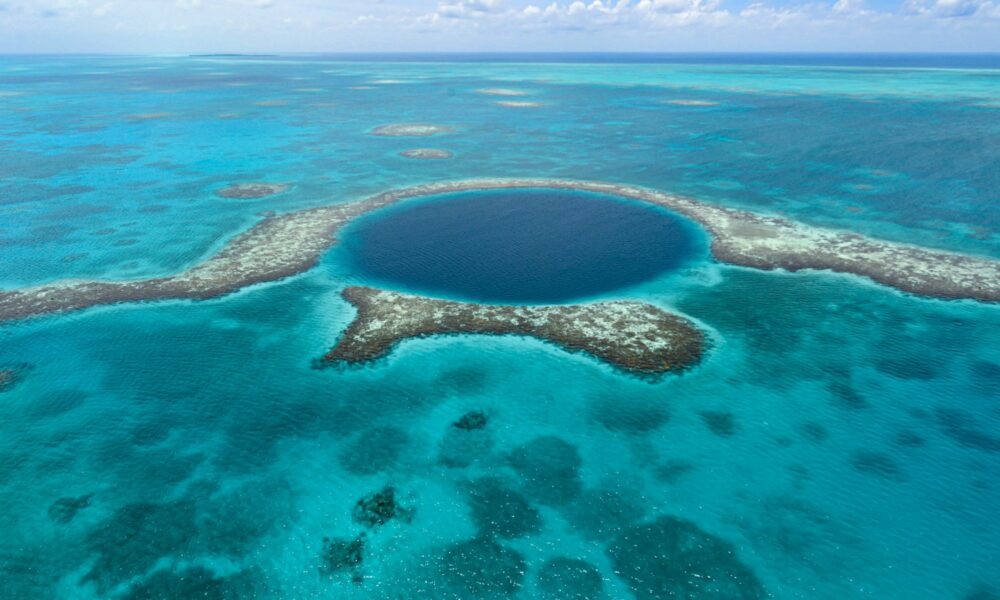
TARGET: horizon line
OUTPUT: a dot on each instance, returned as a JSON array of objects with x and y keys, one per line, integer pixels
[{"x": 521, "y": 53}]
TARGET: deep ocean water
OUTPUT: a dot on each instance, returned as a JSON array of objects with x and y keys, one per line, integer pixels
[
  {"x": 840, "y": 440},
  {"x": 523, "y": 246}
]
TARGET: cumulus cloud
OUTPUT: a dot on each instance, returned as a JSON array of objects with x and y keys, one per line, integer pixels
[
  {"x": 577, "y": 14},
  {"x": 953, "y": 8},
  {"x": 469, "y": 7},
  {"x": 501, "y": 25}
]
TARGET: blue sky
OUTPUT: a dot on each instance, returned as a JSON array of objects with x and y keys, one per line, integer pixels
[{"x": 183, "y": 26}]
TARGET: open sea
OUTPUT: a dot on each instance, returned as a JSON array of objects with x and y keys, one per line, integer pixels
[{"x": 839, "y": 440}]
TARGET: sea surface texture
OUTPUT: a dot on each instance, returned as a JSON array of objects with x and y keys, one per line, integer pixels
[{"x": 838, "y": 440}]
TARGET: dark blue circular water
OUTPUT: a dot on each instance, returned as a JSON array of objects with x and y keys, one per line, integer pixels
[{"x": 518, "y": 245}]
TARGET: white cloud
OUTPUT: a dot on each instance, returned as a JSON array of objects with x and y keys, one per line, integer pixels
[
  {"x": 953, "y": 8},
  {"x": 499, "y": 25},
  {"x": 467, "y": 9}
]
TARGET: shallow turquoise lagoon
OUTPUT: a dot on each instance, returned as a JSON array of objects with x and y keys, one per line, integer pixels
[{"x": 840, "y": 440}]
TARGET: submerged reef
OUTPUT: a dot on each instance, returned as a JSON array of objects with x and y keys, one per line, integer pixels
[
  {"x": 249, "y": 191},
  {"x": 876, "y": 463},
  {"x": 379, "y": 508},
  {"x": 480, "y": 568},
  {"x": 501, "y": 511},
  {"x": 633, "y": 336},
  {"x": 466, "y": 441},
  {"x": 962, "y": 427},
  {"x": 410, "y": 130},
  {"x": 291, "y": 243},
  {"x": 672, "y": 558},
  {"x": 635, "y": 415},
  {"x": 340, "y": 555},
  {"x": 427, "y": 154},
  {"x": 549, "y": 468},
  {"x": 64, "y": 510},
  {"x": 472, "y": 420},
  {"x": 721, "y": 423},
  {"x": 136, "y": 537},
  {"x": 8, "y": 377}
]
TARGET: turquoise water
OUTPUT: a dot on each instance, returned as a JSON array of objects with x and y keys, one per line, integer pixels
[
  {"x": 840, "y": 440},
  {"x": 528, "y": 246}
]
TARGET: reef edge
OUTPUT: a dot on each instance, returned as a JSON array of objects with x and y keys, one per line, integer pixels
[
  {"x": 633, "y": 336},
  {"x": 283, "y": 245}
]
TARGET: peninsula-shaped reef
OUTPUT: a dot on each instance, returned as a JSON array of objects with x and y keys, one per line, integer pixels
[{"x": 633, "y": 336}]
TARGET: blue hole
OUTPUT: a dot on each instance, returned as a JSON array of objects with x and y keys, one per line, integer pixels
[{"x": 518, "y": 246}]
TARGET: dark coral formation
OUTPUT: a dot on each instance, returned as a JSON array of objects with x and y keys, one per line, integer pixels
[
  {"x": 909, "y": 439},
  {"x": 631, "y": 414},
  {"x": 814, "y": 432},
  {"x": 7, "y": 377},
  {"x": 845, "y": 396},
  {"x": 500, "y": 511},
  {"x": 64, "y": 510},
  {"x": 467, "y": 440},
  {"x": 379, "y": 508},
  {"x": 141, "y": 536},
  {"x": 549, "y": 468},
  {"x": 344, "y": 555},
  {"x": 481, "y": 569},
  {"x": 802, "y": 534},
  {"x": 986, "y": 374},
  {"x": 721, "y": 423},
  {"x": 633, "y": 336},
  {"x": 564, "y": 578},
  {"x": 136, "y": 537},
  {"x": 464, "y": 379},
  {"x": 10, "y": 376},
  {"x": 673, "y": 558},
  {"x": 673, "y": 470},
  {"x": 251, "y": 191},
  {"x": 962, "y": 428},
  {"x": 471, "y": 421},
  {"x": 876, "y": 463}
]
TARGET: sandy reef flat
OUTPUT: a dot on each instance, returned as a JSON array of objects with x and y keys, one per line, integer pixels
[
  {"x": 427, "y": 154},
  {"x": 692, "y": 102},
  {"x": 410, "y": 130},
  {"x": 504, "y": 92},
  {"x": 288, "y": 244},
  {"x": 250, "y": 191},
  {"x": 519, "y": 104},
  {"x": 633, "y": 336}
]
